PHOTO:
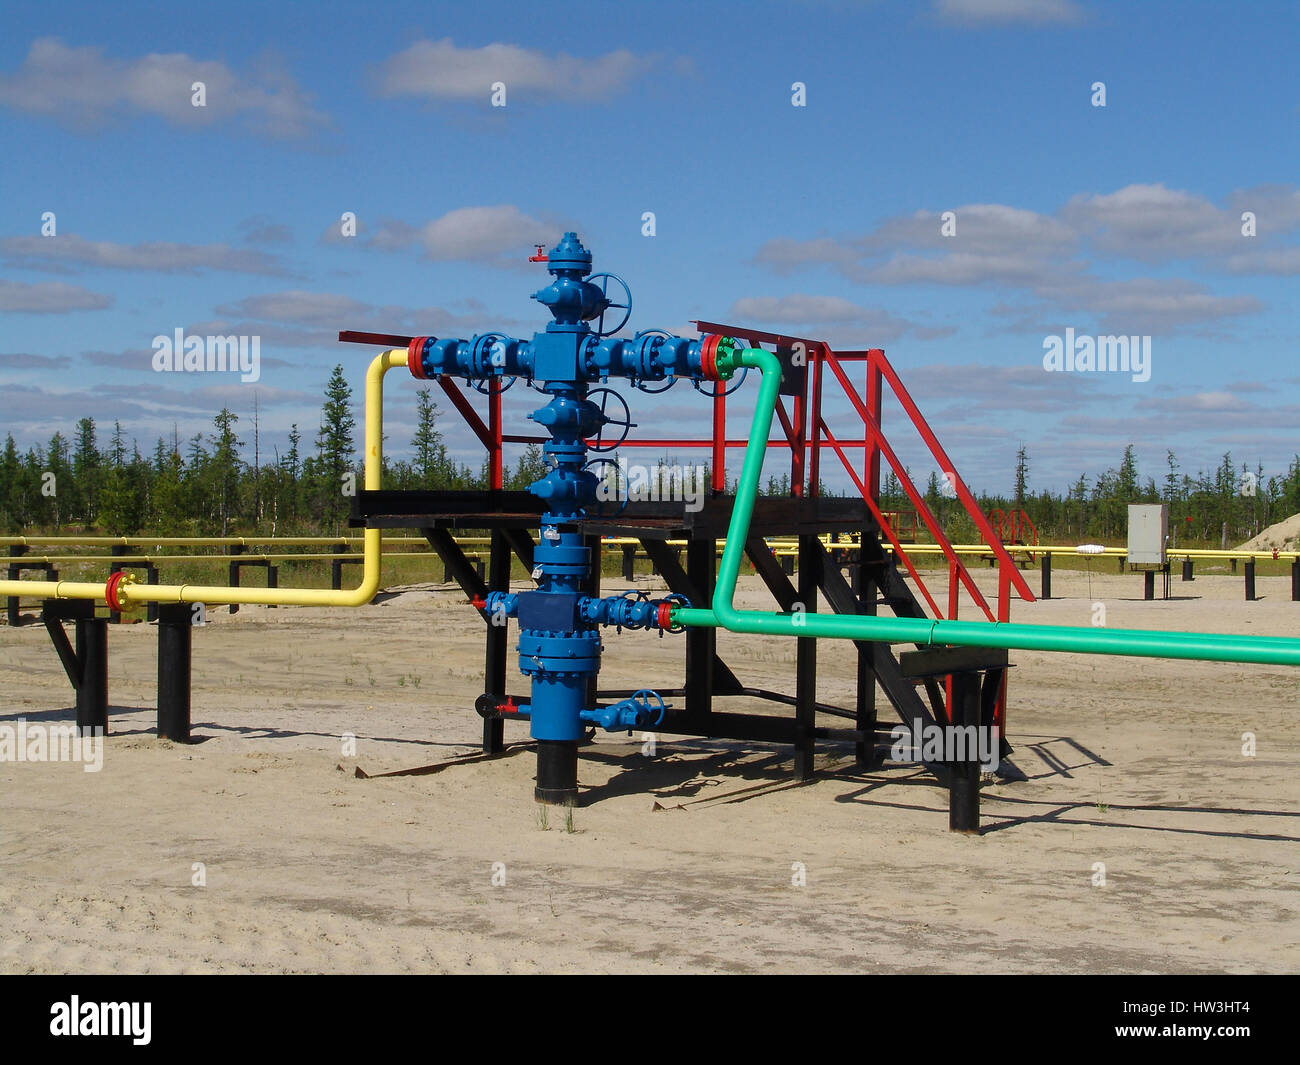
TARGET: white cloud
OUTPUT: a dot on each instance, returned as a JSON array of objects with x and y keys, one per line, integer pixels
[
  {"x": 982, "y": 228},
  {"x": 50, "y": 297},
  {"x": 25, "y": 361},
  {"x": 313, "y": 319},
  {"x": 1147, "y": 305},
  {"x": 295, "y": 306},
  {"x": 80, "y": 86},
  {"x": 983, "y": 12},
  {"x": 441, "y": 70},
  {"x": 992, "y": 388},
  {"x": 59, "y": 253},
  {"x": 1283, "y": 261},
  {"x": 1197, "y": 402},
  {"x": 502, "y": 235},
  {"x": 481, "y": 233},
  {"x": 827, "y": 317},
  {"x": 1153, "y": 223},
  {"x": 1049, "y": 256},
  {"x": 958, "y": 268}
]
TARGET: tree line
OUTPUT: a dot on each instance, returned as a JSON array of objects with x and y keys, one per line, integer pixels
[
  {"x": 220, "y": 481},
  {"x": 1223, "y": 505},
  {"x": 210, "y": 484}
]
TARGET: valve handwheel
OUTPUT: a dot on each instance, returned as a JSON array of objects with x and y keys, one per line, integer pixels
[
  {"x": 486, "y": 344},
  {"x": 626, "y": 308},
  {"x": 603, "y": 508},
  {"x": 668, "y": 382},
  {"x": 598, "y": 442},
  {"x": 651, "y": 701}
]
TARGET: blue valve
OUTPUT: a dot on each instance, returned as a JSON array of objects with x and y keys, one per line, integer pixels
[{"x": 644, "y": 710}]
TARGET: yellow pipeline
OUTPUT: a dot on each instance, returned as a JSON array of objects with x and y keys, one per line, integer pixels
[
  {"x": 192, "y": 541},
  {"x": 209, "y": 593}
]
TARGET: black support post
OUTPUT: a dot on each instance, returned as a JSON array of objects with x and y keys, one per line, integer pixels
[
  {"x": 336, "y": 567},
  {"x": 701, "y": 642},
  {"x": 1047, "y": 575},
  {"x": 235, "y": 549},
  {"x": 629, "y": 562},
  {"x": 11, "y": 602},
  {"x": 1149, "y": 584},
  {"x": 1250, "y": 580},
  {"x": 494, "y": 665},
  {"x": 1295, "y": 580},
  {"x": 964, "y": 773},
  {"x": 973, "y": 701},
  {"x": 92, "y": 656},
  {"x": 1187, "y": 570},
  {"x": 805, "y": 711},
  {"x": 868, "y": 603},
  {"x": 175, "y": 636}
]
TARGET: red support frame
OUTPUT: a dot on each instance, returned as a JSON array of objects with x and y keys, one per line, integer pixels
[{"x": 805, "y": 416}]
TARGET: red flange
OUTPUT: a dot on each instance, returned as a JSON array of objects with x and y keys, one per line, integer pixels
[
  {"x": 478, "y": 603},
  {"x": 665, "y": 616},
  {"x": 415, "y": 357},
  {"x": 709, "y": 356},
  {"x": 110, "y": 591},
  {"x": 509, "y": 706}
]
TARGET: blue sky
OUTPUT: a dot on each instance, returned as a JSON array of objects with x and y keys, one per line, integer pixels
[{"x": 822, "y": 220}]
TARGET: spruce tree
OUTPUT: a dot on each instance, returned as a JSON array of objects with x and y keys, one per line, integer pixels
[{"x": 335, "y": 449}]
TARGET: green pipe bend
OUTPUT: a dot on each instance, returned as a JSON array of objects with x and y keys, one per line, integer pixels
[{"x": 1145, "y": 643}]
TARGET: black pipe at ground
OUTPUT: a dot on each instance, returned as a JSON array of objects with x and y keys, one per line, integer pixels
[
  {"x": 92, "y": 656},
  {"x": 175, "y": 636},
  {"x": 557, "y": 772},
  {"x": 964, "y": 776}
]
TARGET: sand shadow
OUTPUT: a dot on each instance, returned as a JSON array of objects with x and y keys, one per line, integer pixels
[
  {"x": 684, "y": 774},
  {"x": 1057, "y": 813},
  {"x": 1056, "y": 765},
  {"x": 437, "y": 767},
  {"x": 266, "y": 732}
]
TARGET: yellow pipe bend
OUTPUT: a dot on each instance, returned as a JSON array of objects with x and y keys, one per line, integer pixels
[{"x": 212, "y": 593}]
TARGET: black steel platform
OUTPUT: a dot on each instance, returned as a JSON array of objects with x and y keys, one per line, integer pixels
[{"x": 511, "y": 518}]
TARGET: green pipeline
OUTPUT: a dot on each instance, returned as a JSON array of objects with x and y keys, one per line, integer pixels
[{"x": 925, "y": 632}]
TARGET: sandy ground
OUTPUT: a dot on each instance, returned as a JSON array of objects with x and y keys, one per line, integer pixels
[{"x": 680, "y": 862}]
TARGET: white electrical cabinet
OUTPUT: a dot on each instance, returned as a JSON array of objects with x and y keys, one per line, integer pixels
[{"x": 1148, "y": 528}]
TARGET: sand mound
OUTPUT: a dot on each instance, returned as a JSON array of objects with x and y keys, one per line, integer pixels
[{"x": 1283, "y": 536}]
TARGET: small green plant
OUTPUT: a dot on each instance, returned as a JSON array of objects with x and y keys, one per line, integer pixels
[
  {"x": 401, "y": 682},
  {"x": 543, "y": 817},
  {"x": 1102, "y": 807},
  {"x": 568, "y": 820},
  {"x": 415, "y": 679}
]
